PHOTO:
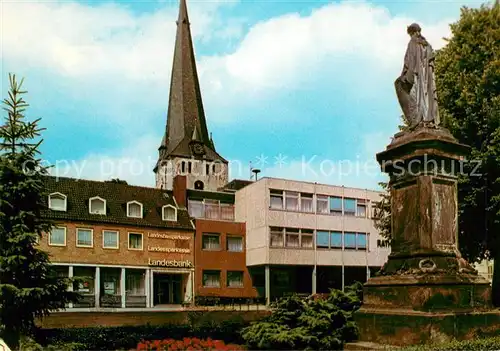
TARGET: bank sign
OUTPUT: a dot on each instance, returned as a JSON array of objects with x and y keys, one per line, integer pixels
[{"x": 170, "y": 263}]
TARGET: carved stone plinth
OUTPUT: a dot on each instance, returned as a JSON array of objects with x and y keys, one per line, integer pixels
[{"x": 425, "y": 275}]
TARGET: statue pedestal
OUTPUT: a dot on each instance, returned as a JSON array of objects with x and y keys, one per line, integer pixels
[{"x": 426, "y": 287}]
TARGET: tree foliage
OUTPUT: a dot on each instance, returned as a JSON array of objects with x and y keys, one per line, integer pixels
[
  {"x": 307, "y": 324},
  {"x": 468, "y": 83},
  {"x": 29, "y": 285}
]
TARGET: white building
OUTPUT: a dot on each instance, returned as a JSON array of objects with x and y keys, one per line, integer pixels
[{"x": 306, "y": 237}]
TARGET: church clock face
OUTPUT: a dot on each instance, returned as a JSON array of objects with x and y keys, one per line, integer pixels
[{"x": 198, "y": 149}]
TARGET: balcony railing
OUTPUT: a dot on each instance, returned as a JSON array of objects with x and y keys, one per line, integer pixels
[{"x": 224, "y": 212}]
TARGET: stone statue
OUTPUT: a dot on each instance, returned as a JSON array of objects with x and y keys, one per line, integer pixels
[{"x": 416, "y": 87}]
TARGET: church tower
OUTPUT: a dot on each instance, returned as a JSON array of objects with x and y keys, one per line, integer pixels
[{"x": 187, "y": 148}]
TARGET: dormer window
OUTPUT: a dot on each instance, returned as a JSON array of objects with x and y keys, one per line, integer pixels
[
  {"x": 169, "y": 213},
  {"x": 57, "y": 202},
  {"x": 134, "y": 209},
  {"x": 97, "y": 205}
]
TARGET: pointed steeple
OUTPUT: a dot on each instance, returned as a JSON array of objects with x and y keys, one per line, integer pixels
[{"x": 186, "y": 116}]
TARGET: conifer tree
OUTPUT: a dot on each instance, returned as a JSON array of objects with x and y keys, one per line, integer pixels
[{"x": 29, "y": 285}]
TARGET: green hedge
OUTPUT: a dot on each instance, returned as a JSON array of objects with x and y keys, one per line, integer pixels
[
  {"x": 487, "y": 344},
  {"x": 127, "y": 337}
]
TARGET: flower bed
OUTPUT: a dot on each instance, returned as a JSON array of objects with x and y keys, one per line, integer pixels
[{"x": 187, "y": 344}]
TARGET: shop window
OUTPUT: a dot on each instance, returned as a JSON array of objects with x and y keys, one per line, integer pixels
[
  {"x": 211, "y": 242},
  {"x": 134, "y": 282},
  {"x": 211, "y": 279},
  {"x": 235, "y": 243},
  {"x": 235, "y": 279}
]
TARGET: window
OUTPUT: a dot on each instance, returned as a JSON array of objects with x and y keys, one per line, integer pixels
[
  {"x": 190, "y": 167},
  {"x": 134, "y": 282},
  {"x": 207, "y": 169},
  {"x": 213, "y": 168},
  {"x": 292, "y": 238},
  {"x": 134, "y": 209},
  {"x": 292, "y": 201},
  {"x": 84, "y": 237},
  {"x": 227, "y": 212},
  {"x": 196, "y": 209},
  {"x": 306, "y": 238},
  {"x": 97, "y": 205},
  {"x": 306, "y": 202},
  {"x": 134, "y": 241},
  {"x": 349, "y": 207},
  {"x": 169, "y": 213},
  {"x": 212, "y": 209},
  {"x": 361, "y": 208},
  {"x": 211, "y": 242},
  {"x": 211, "y": 279},
  {"x": 336, "y": 240},
  {"x": 362, "y": 241},
  {"x": 57, "y": 202},
  {"x": 198, "y": 185},
  {"x": 322, "y": 239},
  {"x": 57, "y": 236},
  {"x": 183, "y": 167},
  {"x": 322, "y": 204},
  {"x": 277, "y": 237},
  {"x": 350, "y": 240},
  {"x": 235, "y": 279},
  {"x": 375, "y": 210},
  {"x": 109, "y": 239},
  {"x": 235, "y": 243},
  {"x": 276, "y": 199},
  {"x": 336, "y": 205}
]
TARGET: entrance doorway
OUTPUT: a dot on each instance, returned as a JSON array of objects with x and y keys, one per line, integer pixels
[{"x": 167, "y": 289}]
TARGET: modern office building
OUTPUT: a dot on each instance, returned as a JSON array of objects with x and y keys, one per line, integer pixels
[{"x": 307, "y": 237}]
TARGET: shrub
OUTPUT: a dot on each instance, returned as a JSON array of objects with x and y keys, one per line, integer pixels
[
  {"x": 187, "y": 344},
  {"x": 485, "y": 344},
  {"x": 127, "y": 337},
  {"x": 307, "y": 323}
]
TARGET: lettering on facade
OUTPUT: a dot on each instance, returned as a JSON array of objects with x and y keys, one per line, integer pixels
[
  {"x": 168, "y": 249},
  {"x": 168, "y": 236},
  {"x": 170, "y": 263}
]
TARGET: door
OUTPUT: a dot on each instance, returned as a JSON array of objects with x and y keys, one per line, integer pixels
[{"x": 167, "y": 289}]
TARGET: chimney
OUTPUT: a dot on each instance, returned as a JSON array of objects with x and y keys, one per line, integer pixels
[{"x": 180, "y": 190}]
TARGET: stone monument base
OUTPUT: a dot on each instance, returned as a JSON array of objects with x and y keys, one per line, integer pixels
[{"x": 403, "y": 327}]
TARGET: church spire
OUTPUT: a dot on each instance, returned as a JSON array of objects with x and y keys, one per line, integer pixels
[{"x": 185, "y": 116}]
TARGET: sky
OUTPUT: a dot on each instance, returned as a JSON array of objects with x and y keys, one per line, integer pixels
[{"x": 300, "y": 89}]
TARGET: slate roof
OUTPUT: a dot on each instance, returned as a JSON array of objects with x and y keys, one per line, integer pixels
[
  {"x": 186, "y": 116},
  {"x": 79, "y": 191}
]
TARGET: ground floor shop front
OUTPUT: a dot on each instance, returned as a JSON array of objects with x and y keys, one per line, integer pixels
[
  {"x": 129, "y": 287},
  {"x": 274, "y": 281}
]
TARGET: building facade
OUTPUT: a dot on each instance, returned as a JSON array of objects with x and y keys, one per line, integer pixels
[
  {"x": 307, "y": 237},
  {"x": 129, "y": 246}
]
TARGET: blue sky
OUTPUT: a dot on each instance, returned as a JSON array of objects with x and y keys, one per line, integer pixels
[{"x": 306, "y": 86}]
